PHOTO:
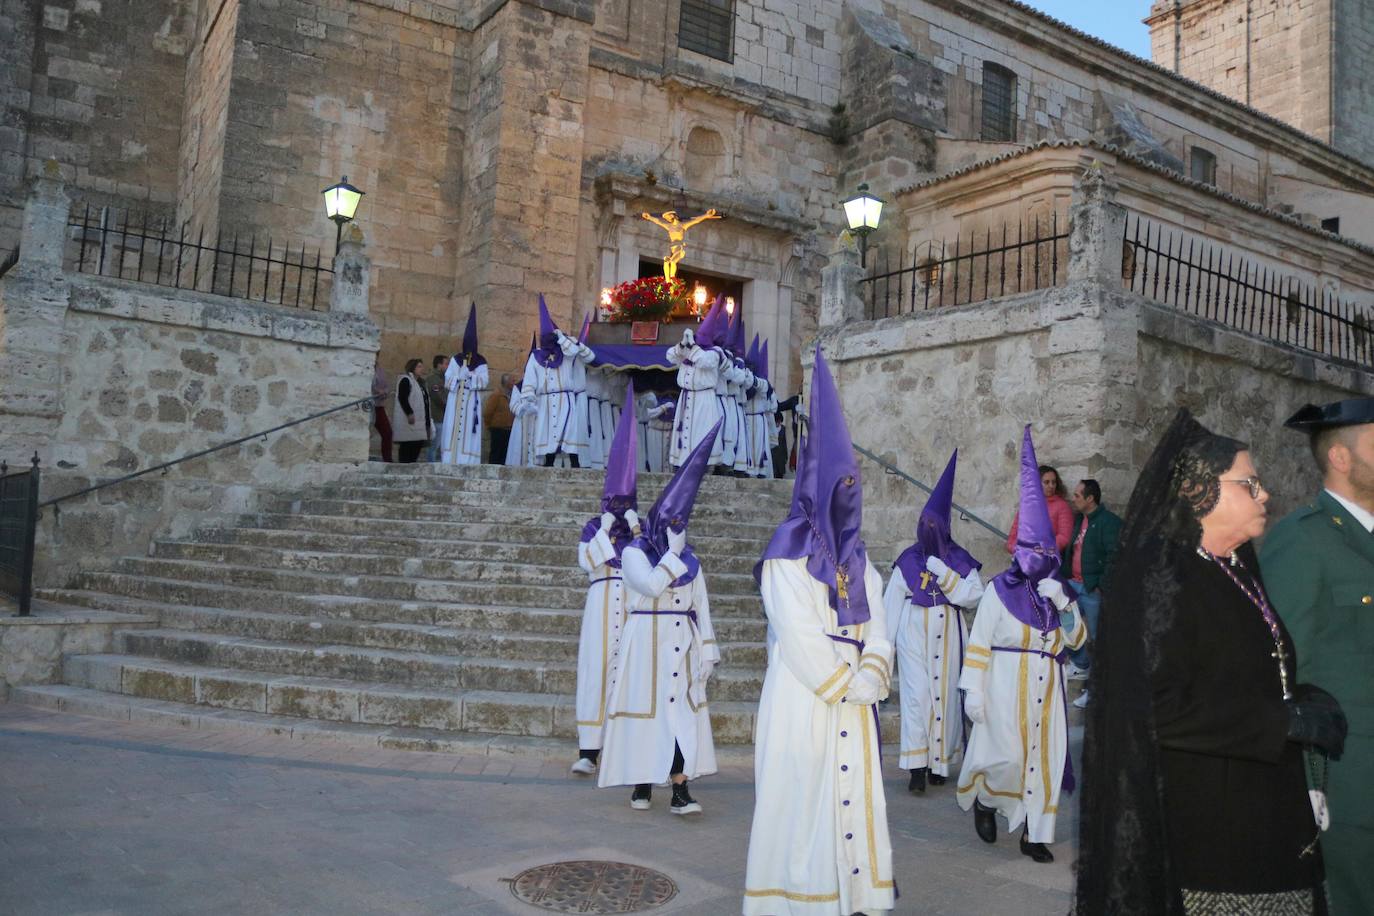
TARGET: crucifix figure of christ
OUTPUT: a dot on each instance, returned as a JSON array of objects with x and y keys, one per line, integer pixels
[{"x": 677, "y": 234}]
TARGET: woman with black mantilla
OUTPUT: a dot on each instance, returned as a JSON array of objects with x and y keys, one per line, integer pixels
[{"x": 1195, "y": 794}]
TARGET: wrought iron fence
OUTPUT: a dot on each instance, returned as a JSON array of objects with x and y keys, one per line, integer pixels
[
  {"x": 134, "y": 246},
  {"x": 986, "y": 265},
  {"x": 1202, "y": 278},
  {"x": 18, "y": 522}
]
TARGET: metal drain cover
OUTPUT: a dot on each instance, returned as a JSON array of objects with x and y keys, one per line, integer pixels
[{"x": 593, "y": 887}]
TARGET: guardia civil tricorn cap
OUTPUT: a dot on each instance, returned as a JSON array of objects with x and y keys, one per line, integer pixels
[{"x": 1313, "y": 418}]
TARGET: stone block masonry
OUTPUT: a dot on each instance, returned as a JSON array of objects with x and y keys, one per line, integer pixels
[{"x": 104, "y": 377}]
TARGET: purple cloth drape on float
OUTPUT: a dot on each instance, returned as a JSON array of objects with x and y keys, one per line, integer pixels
[{"x": 633, "y": 356}]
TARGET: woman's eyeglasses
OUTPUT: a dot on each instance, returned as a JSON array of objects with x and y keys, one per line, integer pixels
[{"x": 1252, "y": 482}]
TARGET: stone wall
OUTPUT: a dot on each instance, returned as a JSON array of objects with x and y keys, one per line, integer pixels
[
  {"x": 205, "y": 118},
  {"x": 104, "y": 377}
]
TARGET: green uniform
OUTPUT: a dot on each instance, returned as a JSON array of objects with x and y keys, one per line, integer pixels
[{"x": 1318, "y": 566}]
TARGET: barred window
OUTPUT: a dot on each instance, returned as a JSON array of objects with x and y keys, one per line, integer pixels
[
  {"x": 999, "y": 103},
  {"x": 707, "y": 27},
  {"x": 1202, "y": 165}
]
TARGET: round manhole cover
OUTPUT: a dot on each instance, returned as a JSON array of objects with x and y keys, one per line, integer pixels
[{"x": 593, "y": 887}]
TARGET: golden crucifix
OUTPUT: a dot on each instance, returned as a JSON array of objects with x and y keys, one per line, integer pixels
[{"x": 677, "y": 233}]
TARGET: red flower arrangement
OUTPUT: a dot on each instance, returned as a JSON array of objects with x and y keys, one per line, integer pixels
[{"x": 647, "y": 299}]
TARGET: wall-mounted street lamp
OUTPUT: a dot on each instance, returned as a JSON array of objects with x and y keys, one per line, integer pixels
[
  {"x": 699, "y": 298},
  {"x": 340, "y": 203},
  {"x": 863, "y": 211},
  {"x": 730, "y": 306}
]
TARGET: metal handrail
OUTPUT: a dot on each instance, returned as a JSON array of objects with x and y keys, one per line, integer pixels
[
  {"x": 205, "y": 451},
  {"x": 892, "y": 469}
]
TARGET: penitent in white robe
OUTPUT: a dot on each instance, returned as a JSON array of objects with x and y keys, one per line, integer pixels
[
  {"x": 657, "y": 689},
  {"x": 698, "y": 408},
  {"x": 520, "y": 448},
  {"x": 460, "y": 439},
  {"x": 735, "y": 401},
  {"x": 729, "y": 428},
  {"x": 819, "y": 842},
  {"x": 1015, "y": 759},
  {"x": 560, "y": 397},
  {"x": 603, "y": 619},
  {"x": 598, "y": 435},
  {"x": 761, "y": 429},
  {"x": 930, "y": 655}
]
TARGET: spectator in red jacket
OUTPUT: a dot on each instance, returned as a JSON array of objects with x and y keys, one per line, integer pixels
[{"x": 1061, "y": 513}]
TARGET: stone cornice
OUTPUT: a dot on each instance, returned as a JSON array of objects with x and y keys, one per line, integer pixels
[
  {"x": 1023, "y": 23},
  {"x": 1048, "y": 148}
]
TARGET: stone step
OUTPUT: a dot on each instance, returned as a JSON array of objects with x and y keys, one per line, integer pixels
[
  {"x": 117, "y": 592},
  {"x": 498, "y": 533},
  {"x": 588, "y": 501},
  {"x": 425, "y": 537},
  {"x": 403, "y": 589},
  {"x": 730, "y": 523},
  {"x": 389, "y": 666},
  {"x": 510, "y": 573},
  {"x": 98, "y": 703},
  {"x": 253, "y": 545},
  {"x": 505, "y": 712},
  {"x": 437, "y": 474}
]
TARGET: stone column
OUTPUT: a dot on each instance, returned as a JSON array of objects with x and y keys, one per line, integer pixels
[
  {"x": 1090, "y": 390},
  {"x": 352, "y": 275},
  {"x": 33, "y": 310},
  {"x": 841, "y": 297}
]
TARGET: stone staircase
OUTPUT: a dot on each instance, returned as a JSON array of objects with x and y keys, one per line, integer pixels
[{"x": 406, "y": 606}]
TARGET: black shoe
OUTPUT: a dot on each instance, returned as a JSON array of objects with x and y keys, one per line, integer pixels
[
  {"x": 683, "y": 802},
  {"x": 985, "y": 822},
  {"x": 1038, "y": 852},
  {"x": 641, "y": 799},
  {"x": 937, "y": 780},
  {"x": 917, "y": 786}
]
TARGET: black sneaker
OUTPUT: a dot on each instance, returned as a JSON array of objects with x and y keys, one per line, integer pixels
[
  {"x": 641, "y": 799},
  {"x": 683, "y": 803},
  {"x": 937, "y": 780},
  {"x": 1038, "y": 852},
  {"x": 917, "y": 785}
]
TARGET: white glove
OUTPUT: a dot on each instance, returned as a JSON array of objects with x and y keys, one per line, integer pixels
[
  {"x": 863, "y": 690},
  {"x": 689, "y": 340},
  {"x": 1052, "y": 589},
  {"x": 632, "y": 519},
  {"x": 973, "y": 706},
  {"x": 706, "y": 668},
  {"x": 607, "y": 520},
  {"x": 677, "y": 541},
  {"x": 936, "y": 567}
]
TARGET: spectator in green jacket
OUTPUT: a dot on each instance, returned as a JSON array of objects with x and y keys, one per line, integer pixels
[{"x": 1096, "y": 531}]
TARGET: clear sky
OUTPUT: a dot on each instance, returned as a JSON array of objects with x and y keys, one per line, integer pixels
[{"x": 1115, "y": 21}]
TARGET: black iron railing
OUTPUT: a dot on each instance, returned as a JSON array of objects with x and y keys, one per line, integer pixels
[
  {"x": 983, "y": 266},
  {"x": 1205, "y": 279},
  {"x": 364, "y": 403},
  {"x": 134, "y": 246},
  {"x": 18, "y": 524}
]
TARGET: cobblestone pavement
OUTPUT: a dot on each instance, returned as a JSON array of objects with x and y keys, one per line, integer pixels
[{"x": 105, "y": 817}]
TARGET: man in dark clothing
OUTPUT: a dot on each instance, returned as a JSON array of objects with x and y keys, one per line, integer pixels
[
  {"x": 1090, "y": 555},
  {"x": 438, "y": 401}
]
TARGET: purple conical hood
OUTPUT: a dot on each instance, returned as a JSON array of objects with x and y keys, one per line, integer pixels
[
  {"x": 673, "y": 508},
  {"x": 738, "y": 335},
  {"x": 762, "y": 369},
  {"x": 709, "y": 333},
  {"x": 469, "y": 353},
  {"x": 586, "y": 329},
  {"x": 752, "y": 357},
  {"x": 622, "y": 464},
  {"x": 827, "y": 504},
  {"x": 549, "y": 353},
  {"x": 1036, "y": 556},
  {"x": 934, "y": 539}
]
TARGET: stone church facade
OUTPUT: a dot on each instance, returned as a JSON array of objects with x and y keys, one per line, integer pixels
[{"x": 507, "y": 147}]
